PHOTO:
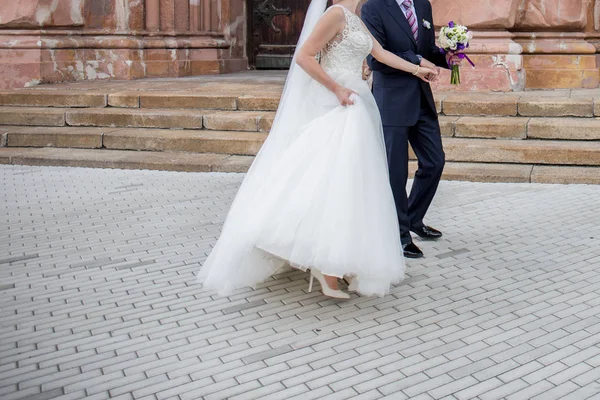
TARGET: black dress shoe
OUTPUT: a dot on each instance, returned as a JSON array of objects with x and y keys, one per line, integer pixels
[
  {"x": 427, "y": 232},
  {"x": 412, "y": 251}
]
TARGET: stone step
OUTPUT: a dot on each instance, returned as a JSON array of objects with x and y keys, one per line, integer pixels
[
  {"x": 521, "y": 128},
  {"x": 495, "y": 105},
  {"x": 564, "y": 128},
  {"x": 193, "y": 141},
  {"x": 149, "y": 99},
  {"x": 489, "y": 127},
  {"x": 556, "y": 107},
  {"x": 523, "y": 151},
  {"x": 198, "y": 141},
  {"x": 132, "y": 118},
  {"x": 50, "y": 136},
  {"x": 514, "y": 105},
  {"x": 460, "y": 149},
  {"x": 565, "y": 175},
  {"x": 122, "y": 159},
  {"x": 253, "y": 98},
  {"x": 55, "y": 98},
  {"x": 251, "y": 121},
  {"x": 32, "y": 116},
  {"x": 207, "y": 162},
  {"x": 186, "y": 100},
  {"x": 221, "y": 101}
]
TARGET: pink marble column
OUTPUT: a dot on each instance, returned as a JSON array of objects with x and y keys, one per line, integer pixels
[
  {"x": 592, "y": 29},
  {"x": 182, "y": 16},
  {"x": 232, "y": 20},
  {"x": 195, "y": 16},
  {"x": 175, "y": 16},
  {"x": 204, "y": 15},
  {"x": 152, "y": 15}
]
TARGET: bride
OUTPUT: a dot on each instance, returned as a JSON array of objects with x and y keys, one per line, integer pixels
[{"x": 317, "y": 196}]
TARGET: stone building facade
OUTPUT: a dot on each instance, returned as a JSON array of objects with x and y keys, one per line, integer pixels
[
  {"x": 533, "y": 44},
  {"x": 520, "y": 44},
  {"x": 67, "y": 40}
]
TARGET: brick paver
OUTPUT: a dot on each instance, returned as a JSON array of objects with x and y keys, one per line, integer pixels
[{"x": 98, "y": 299}]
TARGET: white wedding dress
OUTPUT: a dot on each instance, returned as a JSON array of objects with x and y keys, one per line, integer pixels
[{"x": 319, "y": 195}]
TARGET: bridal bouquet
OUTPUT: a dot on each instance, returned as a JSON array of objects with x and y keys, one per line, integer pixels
[{"x": 455, "y": 38}]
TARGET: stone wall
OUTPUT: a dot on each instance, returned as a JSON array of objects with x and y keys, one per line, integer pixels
[
  {"x": 28, "y": 14},
  {"x": 527, "y": 44},
  {"x": 66, "y": 40},
  {"x": 519, "y": 44}
]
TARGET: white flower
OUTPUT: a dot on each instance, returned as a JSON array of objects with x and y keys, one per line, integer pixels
[
  {"x": 443, "y": 41},
  {"x": 451, "y": 38}
]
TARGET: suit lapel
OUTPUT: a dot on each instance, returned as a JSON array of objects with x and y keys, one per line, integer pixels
[
  {"x": 394, "y": 9},
  {"x": 420, "y": 17}
]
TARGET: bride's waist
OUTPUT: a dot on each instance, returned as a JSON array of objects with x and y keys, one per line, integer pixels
[
  {"x": 338, "y": 73},
  {"x": 320, "y": 95}
]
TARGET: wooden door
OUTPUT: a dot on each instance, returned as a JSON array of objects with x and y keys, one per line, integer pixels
[{"x": 274, "y": 31}]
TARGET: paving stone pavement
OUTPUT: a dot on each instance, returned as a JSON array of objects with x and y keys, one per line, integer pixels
[{"x": 98, "y": 299}]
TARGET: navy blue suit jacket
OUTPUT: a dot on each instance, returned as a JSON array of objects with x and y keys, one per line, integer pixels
[{"x": 398, "y": 94}]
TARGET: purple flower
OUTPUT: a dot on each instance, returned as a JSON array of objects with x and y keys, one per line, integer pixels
[
  {"x": 460, "y": 46},
  {"x": 451, "y": 24}
]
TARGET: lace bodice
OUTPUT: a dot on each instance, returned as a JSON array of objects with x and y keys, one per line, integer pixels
[{"x": 347, "y": 51}]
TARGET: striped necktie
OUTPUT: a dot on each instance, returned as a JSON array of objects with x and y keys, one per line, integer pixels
[{"x": 412, "y": 18}]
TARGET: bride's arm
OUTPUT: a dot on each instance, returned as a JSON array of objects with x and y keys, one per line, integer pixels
[
  {"x": 332, "y": 23},
  {"x": 392, "y": 60}
]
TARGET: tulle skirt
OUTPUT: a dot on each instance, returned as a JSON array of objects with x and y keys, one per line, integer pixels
[{"x": 326, "y": 203}]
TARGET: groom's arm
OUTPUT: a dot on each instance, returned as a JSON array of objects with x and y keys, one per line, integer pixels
[
  {"x": 373, "y": 22},
  {"x": 435, "y": 55}
]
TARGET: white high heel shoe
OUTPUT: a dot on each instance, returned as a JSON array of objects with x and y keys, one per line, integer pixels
[{"x": 327, "y": 291}]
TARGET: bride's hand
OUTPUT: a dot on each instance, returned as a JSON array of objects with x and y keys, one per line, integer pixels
[
  {"x": 344, "y": 95},
  {"x": 427, "y": 74}
]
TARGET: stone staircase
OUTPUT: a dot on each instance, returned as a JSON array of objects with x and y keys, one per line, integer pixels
[{"x": 219, "y": 124}]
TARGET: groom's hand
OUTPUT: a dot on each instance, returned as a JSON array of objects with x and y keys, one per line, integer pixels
[
  {"x": 428, "y": 64},
  {"x": 453, "y": 58}
]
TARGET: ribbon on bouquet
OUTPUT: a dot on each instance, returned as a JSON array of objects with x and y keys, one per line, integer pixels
[
  {"x": 462, "y": 56},
  {"x": 454, "y": 40}
]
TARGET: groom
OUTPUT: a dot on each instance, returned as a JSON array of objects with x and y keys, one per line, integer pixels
[{"x": 408, "y": 112}]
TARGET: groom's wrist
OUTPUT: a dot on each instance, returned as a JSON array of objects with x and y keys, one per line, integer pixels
[{"x": 420, "y": 58}]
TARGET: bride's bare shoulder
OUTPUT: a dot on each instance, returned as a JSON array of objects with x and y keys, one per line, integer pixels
[
  {"x": 333, "y": 19},
  {"x": 335, "y": 12}
]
